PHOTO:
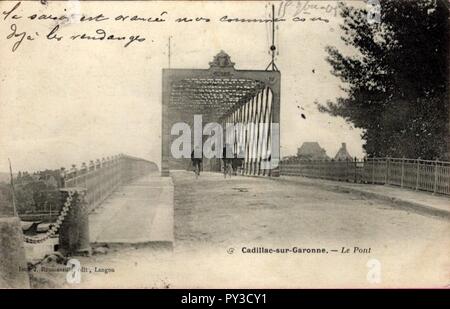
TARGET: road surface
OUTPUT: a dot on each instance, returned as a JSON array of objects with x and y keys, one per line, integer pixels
[
  {"x": 214, "y": 211},
  {"x": 341, "y": 239},
  {"x": 213, "y": 214}
]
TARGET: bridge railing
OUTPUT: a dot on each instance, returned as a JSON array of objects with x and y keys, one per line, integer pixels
[
  {"x": 425, "y": 175},
  {"x": 102, "y": 177}
]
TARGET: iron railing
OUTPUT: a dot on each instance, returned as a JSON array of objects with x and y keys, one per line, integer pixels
[
  {"x": 102, "y": 177},
  {"x": 417, "y": 174}
]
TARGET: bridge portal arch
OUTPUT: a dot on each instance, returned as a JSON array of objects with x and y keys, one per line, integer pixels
[{"x": 247, "y": 101}]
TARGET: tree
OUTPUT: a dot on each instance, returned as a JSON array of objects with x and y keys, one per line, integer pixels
[
  {"x": 396, "y": 82},
  {"x": 6, "y": 207}
]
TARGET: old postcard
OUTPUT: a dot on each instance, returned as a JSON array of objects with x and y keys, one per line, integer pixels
[{"x": 224, "y": 144}]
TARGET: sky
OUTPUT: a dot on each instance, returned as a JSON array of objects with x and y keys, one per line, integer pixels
[{"x": 71, "y": 101}]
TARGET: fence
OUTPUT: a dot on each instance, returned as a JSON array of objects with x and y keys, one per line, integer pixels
[
  {"x": 426, "y": 175},
  {"x": 102, "y": 177}
]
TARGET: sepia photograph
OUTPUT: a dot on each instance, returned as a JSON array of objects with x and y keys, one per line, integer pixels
[{"x": 224, "y": 145}]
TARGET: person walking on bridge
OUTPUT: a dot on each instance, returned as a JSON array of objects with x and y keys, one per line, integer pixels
[
  {"x": 238, "y": 160},
  {"x": 197, "y": 158},
  {"x": 227, "y": 159}
]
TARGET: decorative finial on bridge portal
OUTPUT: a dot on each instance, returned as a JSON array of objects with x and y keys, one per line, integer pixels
[{"x": 221, "y": 60}]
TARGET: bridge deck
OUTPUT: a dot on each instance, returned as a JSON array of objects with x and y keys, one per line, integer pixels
[
  {"x": 139, "y": 212},
  {"x": 247, "y": 210},
  {"x": 215, "y": 218}
]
